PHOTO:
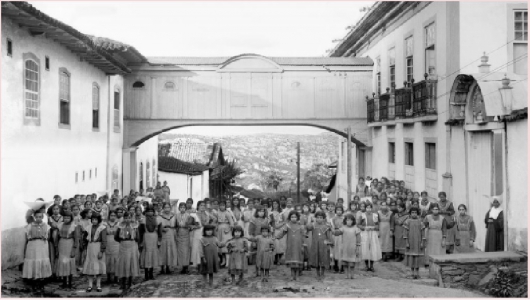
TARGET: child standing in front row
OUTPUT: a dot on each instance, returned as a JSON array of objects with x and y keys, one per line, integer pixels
[
  {"x": 95, "y": 265},
  {"x": 265, "y": 255},
  {"x": 351, "y": 244},
  {"x": 237, "y": 249},
  {"x": 413, "y": 229},
  {"x": 68, "y": 242},
  {"x": 294, "y": 254},
  {"x": 128, "y": 258},
  {"x": 36, "y": 260},
  {"x": 319, "y": 256},
  {"x": 209, "y": 252},
  {"x": 370, "y": 247}
]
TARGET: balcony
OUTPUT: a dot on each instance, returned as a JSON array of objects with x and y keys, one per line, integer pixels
[{"x": 414, "y": 102}]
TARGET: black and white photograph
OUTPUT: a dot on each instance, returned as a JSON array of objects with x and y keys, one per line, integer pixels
[{"x": 264, "y": 149}]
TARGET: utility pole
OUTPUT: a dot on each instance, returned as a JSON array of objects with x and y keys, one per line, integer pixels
[
  {"x": 298, "y": 172},
  {"x": 348, "y": 174}
]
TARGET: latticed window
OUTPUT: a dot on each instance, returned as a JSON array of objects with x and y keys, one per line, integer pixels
[
  {"x": 95, "y": 106},
  {"x": 430, "y": 52},
  {"x": 116, "y": 109},
  {"x": 430, "y": 156},
  {"x": 409, "y": 154},
  {"x": 392, "y": 152},
  {"x": 521, "y": 25},
  {"x": 392, "y": 64},
  {"x": 32, "y": 90},
  {"x": 409, "y": 54},
  {"x": 64, "y": 98}
]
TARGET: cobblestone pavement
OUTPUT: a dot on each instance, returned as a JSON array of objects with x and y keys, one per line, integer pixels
[{"x": 389, "y": 280}]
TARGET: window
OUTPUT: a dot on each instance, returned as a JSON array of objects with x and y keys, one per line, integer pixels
[
  {"x": 47, "y": 63},
  {"x": 520, "y": 43},
  {"x": 64, "y": 97},
  {"x": 430, "y": 52},
  {"x": 95, "y": 106},
  {"x": 430, "y": 156},
  {"x": 521, "y": 25},
  {"x": 378, "y": 78},
  {"x": 31, "y": 88},
  {"x": 96, "y": 173},
  {"x": 392, "y": 153},
  {"x": 409, "y": 61},
  {"x": 116, "y": 109},
  {"x": 76, "y": 177},
  {"x": 83, "y": 175},
  {"x": 9, "y": 48},
  {"x": 138, "y": 85},
  {"x": 409, "y": 154},
  {"x": 90, "y": 176},
  {"x": 392, "y": 64}
]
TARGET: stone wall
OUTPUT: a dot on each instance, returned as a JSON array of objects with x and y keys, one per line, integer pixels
[{"x": 478, "y": 271}]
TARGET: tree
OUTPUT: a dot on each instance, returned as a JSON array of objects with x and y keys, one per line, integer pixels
[
  {"x": 317, "y": 177},
  {"x": 273, "y": 180},
  {"x": 222, "y": 177}
]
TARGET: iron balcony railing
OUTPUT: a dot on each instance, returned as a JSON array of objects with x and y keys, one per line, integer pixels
[{"x": 413, "y": 100}]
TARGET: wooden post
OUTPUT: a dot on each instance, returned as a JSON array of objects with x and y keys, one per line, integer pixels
[
  {"x": 348, "y": 174},
  {"x": 298, "y": 172}
]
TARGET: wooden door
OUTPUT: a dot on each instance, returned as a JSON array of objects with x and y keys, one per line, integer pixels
[{"x": 479, "y": 178}]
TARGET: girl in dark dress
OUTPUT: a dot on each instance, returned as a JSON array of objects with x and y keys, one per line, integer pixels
[
  {"x": 322, "y": 240},
  {"x": 237, "y": 248},
  {"x": 151, "y": 239},
  {"x": 294, "y": 254},
  {"x": 495, "y": 226},
  {"x": 209, "y": 253},
  {"x": 413, "y": 234}
]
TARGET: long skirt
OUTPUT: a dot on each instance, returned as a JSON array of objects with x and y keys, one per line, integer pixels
[
  {"x": 401, "y": 243},
  {"x": 370, "y": 248},
  {"x": 183, "y": 247},
  {"x": 462, "y": 242},
  {"x": 149, "y": 256},
  {"x": 434, "y": 244},
  {"x": 223, "y": 235},
  {"x": 237, "y": 263},
  {"x": 385, "y": 240},
  {"x": 211, "y": 257},
  {"x": 79, "y": 258},
  {"x": 128, "y": 260},
  {"x": 52, "y": 250},
  {"x": 337, "y": 249},
  {"x": 37, "y": 260},
  {"x": 93, "y": 265},
  {"x": 414, "y": 261},
  {"x": 168, "y": 249},
  {"x": 65, "y": 264},
  {"x": 196, "y": 245},
  {"x": 265, "y": 259},
  {"x": 308, "y": 241},
  {"x": 280, "y": 245},
  {"x": 111, "y": 253}
]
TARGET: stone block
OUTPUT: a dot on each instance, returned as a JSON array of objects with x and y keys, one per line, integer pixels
[
  {"x": 477, "y": 258},
  {"x": 458, "y": 278},
  {"x": 454, "y": 272},
  {"x": 13, "y": 243},
  {"x": 473, "y": 280}
]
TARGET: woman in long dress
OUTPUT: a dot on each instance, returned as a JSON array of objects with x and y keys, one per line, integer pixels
[
  {"x": 436, "y": 233},
  {"x": 413, "y": 234},
  {"x": 337, "y": 223},
  {"x": 465, "y": 231},
  {"x": 168, "y": 246},
  {"x": 370, "y": 247},
  {"x": 184, "y": 224},
  {"x": 37, "y": 260},
  {"x": 113, "y": 247},
  {"x": 201, "y": 218},
  {"x": 399, "y": 219},
  {"x": 495, "y": 226},
  {"x": 151, "y": 238},
  {"x": 361, "y": 189},
  {"x": 95, "y": 263},
  {"x": 385, "y": 234},
  {"x": 306, "y": 218},
  {"x": 128, "y": 236},
  {"x": 258, "y": 221},
  {"x": 224, "y": 230},
  {"x": 68, "y": 242},
  {"x": 447, "y": 210},
  {"x": 294, "y": 254},
  {"x": 277, "y": 222}
]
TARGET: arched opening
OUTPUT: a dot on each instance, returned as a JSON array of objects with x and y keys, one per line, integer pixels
[{"x": 138, "y": 85}]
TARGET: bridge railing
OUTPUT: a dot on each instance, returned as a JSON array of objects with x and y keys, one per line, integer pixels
[{"x": 414, "y": 99}]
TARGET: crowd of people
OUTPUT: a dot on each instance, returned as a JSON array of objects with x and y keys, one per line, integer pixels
[{"x": 117, "y": 236}]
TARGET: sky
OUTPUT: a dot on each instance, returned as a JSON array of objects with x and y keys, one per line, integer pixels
[{"x": 215, "y": 28}]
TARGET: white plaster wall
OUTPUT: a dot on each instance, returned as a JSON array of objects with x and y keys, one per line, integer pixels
[
  {"x": 436, "y": 11},
  {"x": 341, "y": 182},
  {"x": 40, "y": 161},
  {"x": 517, "y": 169},
  {"x": 180, "y": 185},
  {"x": 484, "y": 29},
  {"x": 147, "y": 151}
]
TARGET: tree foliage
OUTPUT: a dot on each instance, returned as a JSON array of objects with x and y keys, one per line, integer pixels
[{"x": 317, "y": 177}]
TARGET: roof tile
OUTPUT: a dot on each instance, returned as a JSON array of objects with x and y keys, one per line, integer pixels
[{"x": 173, "y": 165}]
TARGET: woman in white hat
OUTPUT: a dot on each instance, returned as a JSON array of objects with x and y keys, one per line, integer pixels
[{"x": 495, "y": 226}]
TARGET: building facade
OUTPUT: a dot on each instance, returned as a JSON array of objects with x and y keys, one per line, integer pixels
[
  {"x": 62, "y": 115},
  {"x": 427, "y": 127}
]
